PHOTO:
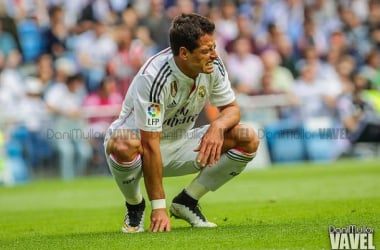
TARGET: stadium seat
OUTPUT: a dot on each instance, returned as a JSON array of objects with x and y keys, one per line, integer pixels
[
  {"x": 320, "y": 147},
  {"x": 285, "y": 142},
  {"x": 30, "y": 40},
  {"x": 19, "y": 172}
]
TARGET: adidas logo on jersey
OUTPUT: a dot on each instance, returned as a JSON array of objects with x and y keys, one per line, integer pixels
[{"x": 173, "y": 104}]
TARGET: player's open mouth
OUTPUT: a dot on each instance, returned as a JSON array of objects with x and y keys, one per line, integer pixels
[{"x": 209, "y": 64}]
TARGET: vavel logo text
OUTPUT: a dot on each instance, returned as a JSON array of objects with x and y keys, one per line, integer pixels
[{"x": 351, "y": 237}]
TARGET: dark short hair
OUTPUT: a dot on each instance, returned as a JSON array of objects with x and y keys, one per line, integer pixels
[
  {"x": 73, "y": 78},
  {"x": 186, "y": 30}
]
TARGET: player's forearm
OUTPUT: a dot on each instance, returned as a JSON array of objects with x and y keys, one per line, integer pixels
[
  {"x": 228, "y": 118},
  {"x": 152, "y": 169}
]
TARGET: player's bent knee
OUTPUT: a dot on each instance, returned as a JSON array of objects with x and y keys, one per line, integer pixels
[
  {"x": 123, "y": 149},
  {"x": 247, "y": 139},
  {"x": 254, "y": 142}
]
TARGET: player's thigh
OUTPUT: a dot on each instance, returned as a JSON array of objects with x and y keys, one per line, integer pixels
[
  {"x": 179, "y": 162},
  {"x": 179, "y": 157}
]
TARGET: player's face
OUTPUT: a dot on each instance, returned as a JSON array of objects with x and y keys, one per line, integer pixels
[{"x": 201, "y": 59}]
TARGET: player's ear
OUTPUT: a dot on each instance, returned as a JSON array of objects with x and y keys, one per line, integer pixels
[{"x": 183, "y": 53}]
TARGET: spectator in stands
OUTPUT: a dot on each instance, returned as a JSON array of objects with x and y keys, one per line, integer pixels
[
  {"x": 130, "y": 19},
  {"x": 11, "y": 84},
  {"x": 266, "y": 85},
  {"x": 258, "y": 12},
  {"x": 324, "y": 15},
  {"x": 94, "y": 48},
  {"x": 45, "y": 71},
  {"x": 99, "y": 107},
  {"x": 337, "y": 41},
  {"x": 312, "y": 37},
  {"x": 7, "y": 42},
  {"x": 282, "y": 79},
  {"x": 286, "y": 51},
  {"x": 329, "y": 70},
  {"x": 357, "y": 115},
  {"x": 56, "y": 34},
  {"x": 288, "y": 15},
  {"x": 344, "y": 68},
  {"x": 144, "y": 43},
  {"x": 99, "y": 10},
  {"x": 375, "y": 37},
  {"x": 73, "y": 11},
  {"x": 131, "y": 55},
  {"x": 311, "y": 56},
  {"x": 29, "y": 32},
  {"x": 266, "y": 88},
  {"x": 245, "y": 69},
  {"x": 158, "y": 23},
  {"x": 106, "y": 97},
  {"x": 270, "y": 39},
  {"x": 356, "y": 34},
  {"x": 63, "y": 68},
  {"x": 245, "y": 29},
  {"x": 373, "y": 20},
  {"x": 34, "y": 117},
  {"x": 371, "y": 68},
  {"x": 128, "y": 58},
  {"x": 334, "y": 77},
  {"x": 183, "y": 6},
  {"x": 226, "y": 27},
  {"x": 8, "y": 24},
  {"x": 311, "y": 94},
  {"x": 69, "y": 126}
]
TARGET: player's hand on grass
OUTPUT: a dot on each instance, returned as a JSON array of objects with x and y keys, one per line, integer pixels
[
  {"x": 210, "y": 149},
  {"x": 159, "y": 221}
]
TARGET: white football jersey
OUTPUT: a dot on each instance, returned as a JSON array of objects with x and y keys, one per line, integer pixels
[{"x": 163, "y": 99}]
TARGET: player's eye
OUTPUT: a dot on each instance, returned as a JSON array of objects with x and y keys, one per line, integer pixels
[{"x": 208, "y": 50}]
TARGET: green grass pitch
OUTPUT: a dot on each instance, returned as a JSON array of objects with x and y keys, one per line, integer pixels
[{"x": 276, "y": 208}]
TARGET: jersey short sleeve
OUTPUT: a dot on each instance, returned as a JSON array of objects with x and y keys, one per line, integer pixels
[
  {"x": 149, "y": 114},
  {"x": 222, "y": 93}
]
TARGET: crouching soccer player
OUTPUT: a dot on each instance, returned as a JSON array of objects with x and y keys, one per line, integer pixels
[{"x": 153, "y": 136}]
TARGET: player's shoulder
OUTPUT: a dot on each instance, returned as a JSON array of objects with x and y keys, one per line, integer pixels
[
  {"x": 219, "y": 68},
  {"x": 153, "y": 74},
  {"x": 156, "y": 63}
]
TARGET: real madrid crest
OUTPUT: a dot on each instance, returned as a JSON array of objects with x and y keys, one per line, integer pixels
[
  {"x": 201, "y": 92},
  {"x": 173, "y": 88}
]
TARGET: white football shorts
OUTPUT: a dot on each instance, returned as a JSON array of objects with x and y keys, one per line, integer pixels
[{"x": 178, "y": 154}]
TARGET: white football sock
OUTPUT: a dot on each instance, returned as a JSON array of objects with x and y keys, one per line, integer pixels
[
  {"x": 127, "y": 176},
  {"x": 196, "y": 190},
  {"x": 231, "y": 163}
]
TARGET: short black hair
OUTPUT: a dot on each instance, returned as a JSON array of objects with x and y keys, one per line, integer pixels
[
  {"x": 186, "y": 30},
  {"x": 73, "y": 78}
]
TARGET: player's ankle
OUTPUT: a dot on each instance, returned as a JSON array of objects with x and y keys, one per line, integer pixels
[
  {"x": 185, "y": 199},
  {"x": 139, "y": 206}
]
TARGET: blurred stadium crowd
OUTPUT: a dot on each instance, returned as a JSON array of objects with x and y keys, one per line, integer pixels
[{"x": 295, "y": 65}]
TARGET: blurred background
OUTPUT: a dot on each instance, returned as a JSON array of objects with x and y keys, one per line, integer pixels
[{"x": 306, "y": 74}]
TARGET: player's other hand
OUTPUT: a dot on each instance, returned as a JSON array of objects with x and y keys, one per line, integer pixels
[
  {"x": 159, "y": 221},
  {"x": 210, "y": 149}
]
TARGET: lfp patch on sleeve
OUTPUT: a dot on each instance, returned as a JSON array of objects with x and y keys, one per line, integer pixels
[{"x": 153, "y": 115}]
